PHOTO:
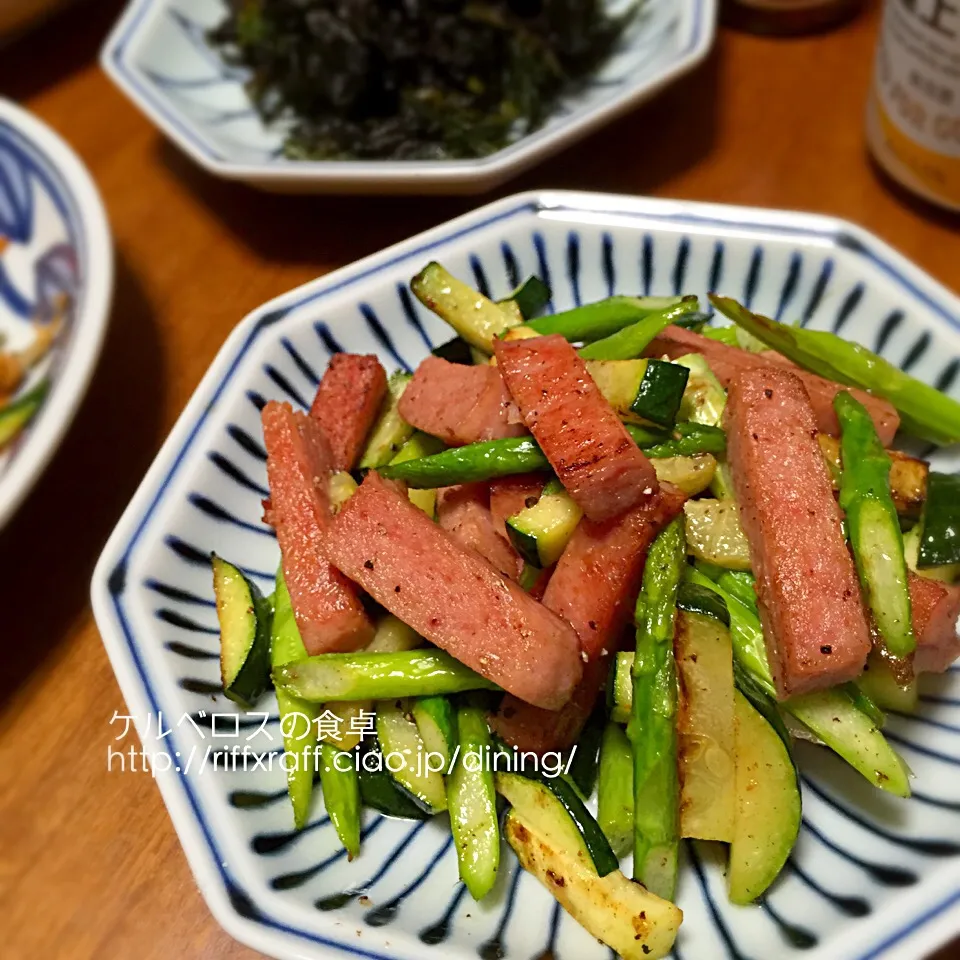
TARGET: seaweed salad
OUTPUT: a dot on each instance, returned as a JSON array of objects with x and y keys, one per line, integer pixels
[{"x": 412, "y": 79}]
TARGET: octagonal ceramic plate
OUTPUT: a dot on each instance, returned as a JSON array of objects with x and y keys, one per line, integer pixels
[
  {"x": 158, "y": 56},
  {"x": 871, "y": 876}
]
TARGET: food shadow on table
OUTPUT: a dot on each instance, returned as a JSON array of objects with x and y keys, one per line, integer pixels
[
  {"x": 637, "y": 153},
  {"x": 52, "y": 543}
]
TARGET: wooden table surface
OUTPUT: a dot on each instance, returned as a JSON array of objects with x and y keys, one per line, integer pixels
[{"x": 89, "y": 863}]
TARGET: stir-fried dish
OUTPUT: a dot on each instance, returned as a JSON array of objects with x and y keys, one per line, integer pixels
[{"x": 621, "y": 535}]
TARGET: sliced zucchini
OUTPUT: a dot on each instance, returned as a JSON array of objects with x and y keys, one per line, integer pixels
[
  {"x": 768, "y": 806},
  {"x": 541, "y": 532},
  {"x": 691, "y": 474},
  {"x": 392, "y": 635},
  {"x": 531, "y": 297},
  {"x": 582, "y": 766},
  {"x": 341, "y": 487},
  {"x": 705, "y": 728},
  {"x": 641, "y": 391},
  {"x": 948, "y": 573},
  {"x": 721, "y": 486},
  {"x": 714, "y": 533},
  {"x": 437, "y": 722},
  {"x": 833, "y": 717},
  {"x": 522, "y": 332},
  {"x": 391, "y": 431},
  {"x": 940, "y": 540},
  {"x": 704, "y": 399},
  {"x": 381, "y": 792},
  {"x": 619, "y": 382},
  {"x": 553, "y": 807},
  {"x": 297, "y": 717},
  {"x": 696, "y": 599},
  {"x": 245, "y": 620},
  {"x": 475, "y": 318},
  {"x": 635, "y": 923},
  {"x": 880, "y": 683},
  {"x": 473, "y": 804},
  {"x": 406, "y": 757},
  {"x": 18, "y": 413},
  {"x": 620, "y": 691},
  {"x": 353, "y": 716},
  {"x": 456, "y": 350},
  {"x": 420, "y": 445},
  {"x": 615, "y": 791}
]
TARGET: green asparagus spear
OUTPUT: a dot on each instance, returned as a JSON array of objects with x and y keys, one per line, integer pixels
[
  {"x": 688, "y": 439},
  {"x": 595, "y": 321},
  {"x": 341, "y": 795},
  {"x": 652, "y": 726},
  {"x": 376, "y": 676},
  {"x": 924, "y": 411},
  {"x": 631, "y": 341},
  {"x": 873, "y": 525},
  {"x": 727, "y": 335},
  {"x": 297, "y": 717},
  {"x": 615, "y": 793}
]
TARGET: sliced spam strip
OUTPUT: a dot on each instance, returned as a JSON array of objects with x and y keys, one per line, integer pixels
[
  {"x": 459, "y": 404},
  {"x": 464, "y": 512},
  {"x": 728, "y": 362},
  {"x": 347, "y": 402},
  {"x": 510, "y": 495},
  {"x": 577, "y": 429},
  {"x": 814, "y": 622},
  {"x": 453, "y": 597},
  {"x": 328, "y": 611},
  {"x": 935, "y": 607},
  {"x": 593, "y": 588}
]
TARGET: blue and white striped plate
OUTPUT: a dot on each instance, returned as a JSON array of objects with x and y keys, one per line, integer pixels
[
  {"x": 159, "y": 57},
  {"x": 871, "y": 876}
]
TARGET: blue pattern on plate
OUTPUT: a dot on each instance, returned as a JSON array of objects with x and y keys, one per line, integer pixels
[
  {"x": 161, "y": 53},
  {"x": 858, "y": 850},
  {"x": 43, "y": 259}
]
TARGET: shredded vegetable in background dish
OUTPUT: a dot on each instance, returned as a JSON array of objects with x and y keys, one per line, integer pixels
[
  {"x": 621, "y": 542},
  {"x": 418, "y": 80}
]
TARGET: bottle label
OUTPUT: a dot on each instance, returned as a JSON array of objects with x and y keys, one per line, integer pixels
[{"x": 918, "y": 90}]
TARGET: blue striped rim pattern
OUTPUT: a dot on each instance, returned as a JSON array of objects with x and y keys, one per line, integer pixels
[
  {"x": 860, "y": 856},
  {"x": 28, "y": 178},
  {"x": 160, "y": 55}
]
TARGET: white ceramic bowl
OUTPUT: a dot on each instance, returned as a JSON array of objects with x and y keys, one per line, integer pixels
[
  {"x": 871, "y": 876},
  {"x": 58, "y": 241},
  {"x": 158, "y": 56}
]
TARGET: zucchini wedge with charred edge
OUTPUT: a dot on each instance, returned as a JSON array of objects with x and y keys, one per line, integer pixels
[
  {"x": 399, "y": 738},
  {"x": 245, "y": 618},
  {"x": 540, "y": 533}
]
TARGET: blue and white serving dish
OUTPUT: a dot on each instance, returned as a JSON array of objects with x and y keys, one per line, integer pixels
[
  {"x": 158, "y": 55},
  {"x": 872, "y": 876},
  {"x": 56, "y": 266}
]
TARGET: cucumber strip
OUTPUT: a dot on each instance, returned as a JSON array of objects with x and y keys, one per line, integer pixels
[
  {"x": 381, "y": 792},
  {"x": 18, "y": 413},
  {"x": 552, "y": 805},
  {"x": 406, "y": 757},
  {"x": 940, "y": 541},
  {"x": 880, "y": 684},
  {"x": 714, "y": 533},
  {"x": 704, "y": 399},
  {"x": 531, "y": 297},
  {"x": 377, "y": 676},
  {"x": 341, "y": 795},
  {"x": 473, "y": 804},
  {"x": 834, "y": 718},
  {"x": 768, "y": 806},
  {"x": 630, "y": 342},
  {"x": 391, "y": 431},
  {"x": 341, "y": 488},
  {"x": 420, "y": 445},
  {"x": 634, "y": 923},
  {"x": 873, "y": 525},
  {"x": 475, "y": 318},
  {"x": 245, "y": 622},
  {"x": 692, "y": 475},
  {"x": 615, "y": 792},
  {"x": 436, "y": 721},
  {"x": 582, "y": 768},
  {"x": 594, "y": 321},
  {"x": 297, "y": 717},
  {"x": 540, "y": 533}
]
